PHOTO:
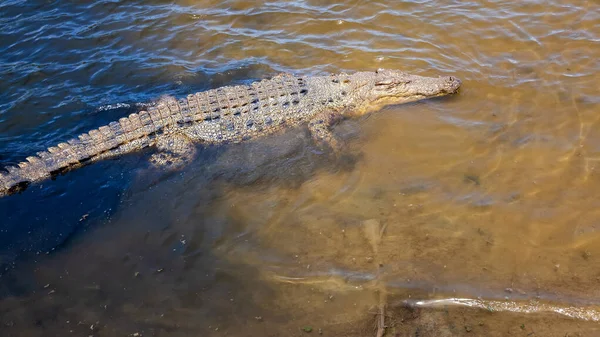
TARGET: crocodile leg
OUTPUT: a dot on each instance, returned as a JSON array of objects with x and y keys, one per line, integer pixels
[
  {"x": 174, "y": 152},
  {"x": 320, "y": 130}
]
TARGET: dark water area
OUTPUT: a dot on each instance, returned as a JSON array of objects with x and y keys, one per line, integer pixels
[
  {"x": 59, "y": 64},
  {"x": 470, "y": 215}
]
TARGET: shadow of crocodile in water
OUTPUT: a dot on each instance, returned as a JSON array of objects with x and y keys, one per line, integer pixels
[{"x": 45, "y": 217}]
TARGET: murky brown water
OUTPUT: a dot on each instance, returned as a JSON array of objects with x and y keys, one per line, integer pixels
[{"x": 487, "y": 201}]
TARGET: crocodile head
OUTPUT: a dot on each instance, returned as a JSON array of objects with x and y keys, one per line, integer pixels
[{"x": 374, "y": 90}]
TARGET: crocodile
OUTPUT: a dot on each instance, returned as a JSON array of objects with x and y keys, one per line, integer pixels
[{"x": 232, "y": 114}]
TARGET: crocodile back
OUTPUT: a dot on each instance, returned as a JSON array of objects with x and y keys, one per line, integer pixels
[{"x": 238, "y": 113}]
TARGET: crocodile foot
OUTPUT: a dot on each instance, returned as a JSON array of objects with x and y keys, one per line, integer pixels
[
  {"x": 320, "y": 130},
  {"x": 174, "y": 152}
]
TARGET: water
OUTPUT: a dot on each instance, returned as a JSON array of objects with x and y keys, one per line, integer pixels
[{"x": 486, "y": 202}]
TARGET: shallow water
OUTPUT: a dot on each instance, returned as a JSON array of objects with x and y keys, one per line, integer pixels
[{"x": 490, "y": 194}]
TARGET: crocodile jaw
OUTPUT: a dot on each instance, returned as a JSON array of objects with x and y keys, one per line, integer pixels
[{"x": 425, "y": 88}]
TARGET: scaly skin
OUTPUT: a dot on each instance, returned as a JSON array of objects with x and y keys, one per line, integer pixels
[{"x": 231, "y": 115}]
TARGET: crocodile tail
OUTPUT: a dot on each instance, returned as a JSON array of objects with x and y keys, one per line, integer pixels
[
  {"x": 54, "y": 159},
  {"x": 78, "y": 151}
]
